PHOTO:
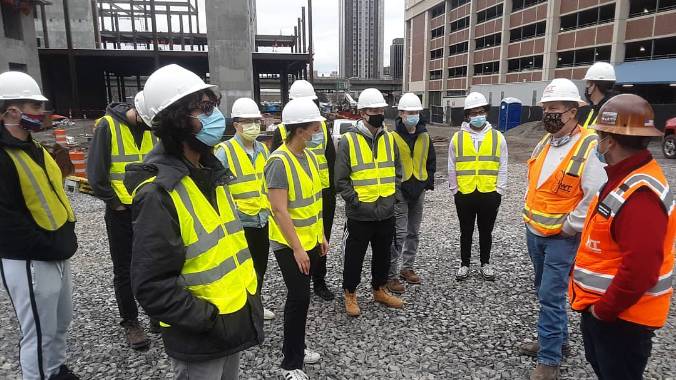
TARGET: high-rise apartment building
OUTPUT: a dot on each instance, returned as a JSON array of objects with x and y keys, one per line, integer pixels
[
  {"x": 361, "y": 38},
  {"x": 397, "y": 58}
]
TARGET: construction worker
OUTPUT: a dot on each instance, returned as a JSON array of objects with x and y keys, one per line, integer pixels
[
  {"x": 419, "y": 163},
  {"x": 297, "y": 236},
  {"x": 368, "y": 177},
  {"x": 191, "y": 267},
  {"x": 322, "y": 146},
  {"x": 245, "y": 158},
  {"x": 563, "y": 176},
  {"x": 477, "y": 177},
  {"x": 37, "y": 232},
  {"x": 600, "y": 79},
  {"x": 122, "y": 136},
  {"x": 621, "y": 282}
]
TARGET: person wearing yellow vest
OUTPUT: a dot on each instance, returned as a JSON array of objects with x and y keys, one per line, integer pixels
[
  {"x": 368, "y": 177},
  {"x": 563, "y": 176},
  {"x": 245, "y": 158},
  {"x": 623, "y": 272},
  {"x": 477, "y": 178},
  {"x": 36, "y": 233},
  {"x": 296, "y": 229},
  {"x": 419, "y": 163},
  {"x": 322, "y": 146},
  {"x": 122, "y": 136},
  {"x": 191, "y": 266},
  {"x": 599, "y": 82}
]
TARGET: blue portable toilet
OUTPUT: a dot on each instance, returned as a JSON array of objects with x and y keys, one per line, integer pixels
[{"x": 510, "y": 114}]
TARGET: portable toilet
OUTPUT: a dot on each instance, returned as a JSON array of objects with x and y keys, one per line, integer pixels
[{"x": 510, "y": 114}]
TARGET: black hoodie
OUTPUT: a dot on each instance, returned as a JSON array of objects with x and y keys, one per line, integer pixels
[{"x": 412, "y": 188}]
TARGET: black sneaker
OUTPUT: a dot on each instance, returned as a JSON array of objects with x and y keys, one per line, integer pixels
[
  {"x": 64, "y": 374},
  {"x": 323, "y": 292},
  {"x": 154, "y": 327}
]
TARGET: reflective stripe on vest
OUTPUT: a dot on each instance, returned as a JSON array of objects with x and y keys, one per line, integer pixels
[
  {"x": 413, "y": 163},
  {"x": 123, "y": 151},
  {"x": 319, "y": 151},
  {"x": 372, "y": 177},
  {"x": 589, "y": 121},
  {"x": 477, "y": 170},
  {"x": 304, "y": 199},
  {"x": 42, "y": 189}
]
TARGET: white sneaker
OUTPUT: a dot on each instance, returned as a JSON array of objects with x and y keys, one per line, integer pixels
[
  {"x": 487, "y": 272},
  {"x": 268, "y": 314},
  {"x": 311, "y": 357},
  {"x": 294, "y": 374},
  {"x": 462, "y": 274}
]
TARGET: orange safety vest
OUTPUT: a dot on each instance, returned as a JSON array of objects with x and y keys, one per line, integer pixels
[
  {"x": 548, "y": 206},
  {"x": 599, "y": 257}
]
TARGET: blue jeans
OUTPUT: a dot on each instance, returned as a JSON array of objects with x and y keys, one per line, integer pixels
[{"x": 552, "y": 259}]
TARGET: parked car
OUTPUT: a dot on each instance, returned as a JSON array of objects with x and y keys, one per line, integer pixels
[
  {"x": 669, "y": 140},
  {"x": 340, "y": 126}
]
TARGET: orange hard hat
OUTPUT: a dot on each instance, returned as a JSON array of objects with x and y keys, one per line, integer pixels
[{"x": 627, "y": 114}]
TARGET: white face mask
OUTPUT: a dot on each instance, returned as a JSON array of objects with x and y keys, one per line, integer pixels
[{"x": 250, "y": 131}]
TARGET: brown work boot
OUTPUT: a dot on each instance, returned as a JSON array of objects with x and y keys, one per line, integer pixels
[
  {"x": 135, "y": 336},
  {"x": 410, "y": 276},
  {"x": 532, "y": 349},
  {"x": 545, "y": 372},
  {"x": 395, "y": 286},
  {"x": 382, "y": 296},
  {"x": 351, "y": 305}
]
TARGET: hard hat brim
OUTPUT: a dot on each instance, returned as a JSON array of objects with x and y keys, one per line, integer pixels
[
  {"x": 300, "y": 121},
  {"x": 249, "y": 116},
  {"x": 646, "y": 131},
  {"x": 312, "y": 97},
  {"x": 409, "y": 108},
  {"x": 580, "y": 102},
  {"x": 377, "y": 105},
  {"x": 37, "y": 98}
]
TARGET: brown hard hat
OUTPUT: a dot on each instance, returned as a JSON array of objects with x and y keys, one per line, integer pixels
[{"x": 627, "y": 114}]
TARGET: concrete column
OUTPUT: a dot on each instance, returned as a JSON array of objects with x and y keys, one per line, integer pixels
[
  {"x": 470, "y": 44},
  {"x": 229, "y": 36},
  {"x": 619, "y": 29},
  {"x": 550, "y": 57},
  {"x": 504, "y": 38}
]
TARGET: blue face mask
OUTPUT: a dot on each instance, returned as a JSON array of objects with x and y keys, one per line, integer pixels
[
  {"x": 599, "y": 155},
  {"x": 477, "y": 121},
  {"x": 411, "y": 120},
  {"x": 213, "y": 127},
  {"x": 317, "y": 140}
]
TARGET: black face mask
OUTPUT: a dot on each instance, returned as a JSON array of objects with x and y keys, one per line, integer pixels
[
  {"x": 587, "y": 94},
  {"x": 552, "y": 121},
  {"x": 376, "y": 121}
]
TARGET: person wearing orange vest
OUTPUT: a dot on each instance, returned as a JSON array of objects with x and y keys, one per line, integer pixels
[
  {"x": 563, "y": 177},
  {"x": 621, "y": 281}
]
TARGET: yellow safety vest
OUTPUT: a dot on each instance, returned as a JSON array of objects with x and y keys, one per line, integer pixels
[
  {"x": 590, "y": 121},
  {"x": 248, "y": 188},
  {"x": 413, "y": 163},
  {"x": 218, "y": 267},
  {"x": 372, "y": 177},
  {"x": 320, "y": 153},
  {"x": 477, "y": 170},
  {"x": 304, "y": 201},
  {"x": 42, "y": 189},
  {"x": 123, "y": 151}
]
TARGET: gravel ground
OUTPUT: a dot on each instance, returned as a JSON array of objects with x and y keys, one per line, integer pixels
[{"x": 447, "y": 330}]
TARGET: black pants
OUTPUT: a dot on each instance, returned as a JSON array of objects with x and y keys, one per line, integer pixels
[
  {"x": 259, "y": 246},
  {"x": 482, "y": 207},
  {"x": 616, "y": 350},
  {"x": 297, "y": 303},
  {"x": 328, "y": 212},
  {"x": 357, "y": 237},
  {"x": 118, "y": 226}
]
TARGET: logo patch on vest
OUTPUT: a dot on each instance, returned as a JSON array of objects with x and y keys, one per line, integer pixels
[
  {"x": 593, "y": 245},
  {"x": 604, "y": 210}
]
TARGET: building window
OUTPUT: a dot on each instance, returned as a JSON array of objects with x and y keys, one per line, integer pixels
[
  {"x": 438, "y": 32},
  {"x": 651, "y": 49},
  {"x": 456, "y": 93},
  {"x": 594, "y": 16},
  {"x": 524, "y": 63},
  {"x": 489, "y": 14},
  {"x": 487, "y": 68},
  {"x": 457, "y": 3},
  {"x": 437, "y": 53},
  {"x": 639, "y": 8},
  {"x": 438, "y": 10},
  {"x": 583, "y": 56},
  {"x": 11, "y": 21},
  {"x": 484, "y": 42},
  {"x": 459, "y": 24},
  {"x": 435, "y": 74},
  {"x": 527, "y": 31},
  {"x": 521, "y": 4},
  {"x": 18, "y": 67},
  {"x": 457, "y": 72},
  {"x": 462, "y": 47}
]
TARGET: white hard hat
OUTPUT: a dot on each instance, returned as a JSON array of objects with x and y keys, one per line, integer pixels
[
  {"x": 15, "y": 85},
  {"x": 169, "y": 84},
  {"x": 302, "y": 89},
  {"x": 245, "y": 108},
  {"x": 302, "y": 110},
  {"x": 601, "y": 71},
  {"x": 140, "y": 106},
  {"x": 474, "y": 100},
  {"x": 371, "y": 98},
  {"x": 410, "y": 102},
  {"x": 561, "y": 90}
]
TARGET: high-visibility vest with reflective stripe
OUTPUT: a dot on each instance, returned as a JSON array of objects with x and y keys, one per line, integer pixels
[
  {"x": 248, "y": 188},
  {"x": 218, "y": 267},
  {"x": 372, "y": 177},
  {"x": 123, "y": 151},
  {"x": 319, "y": 151},
  {"x": 304, "y": 199},
  {"x": 413, "y": 163},
  {"x": 477, "y": 170},
  {"x": 590, "y": 120},
  {"x": 548, "y": 205},
  {"x": 42, "y": 189},
  {"x": 599, "y": 256}
]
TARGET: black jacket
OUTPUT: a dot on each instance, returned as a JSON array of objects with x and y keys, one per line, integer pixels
[
  {"x": 197, "y": 331},
  {"x": 98, "y": 159},
  {"x": 20, "y": 237},
  {"x": 412, "y": 188}
]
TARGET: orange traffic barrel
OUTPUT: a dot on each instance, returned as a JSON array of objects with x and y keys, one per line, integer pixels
[
  {"x": 77, "y": 157},
  {"x": 60, "y": 136}
]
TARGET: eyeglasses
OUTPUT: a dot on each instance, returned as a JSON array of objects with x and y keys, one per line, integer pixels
[{"x": 206, "y": 106}]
